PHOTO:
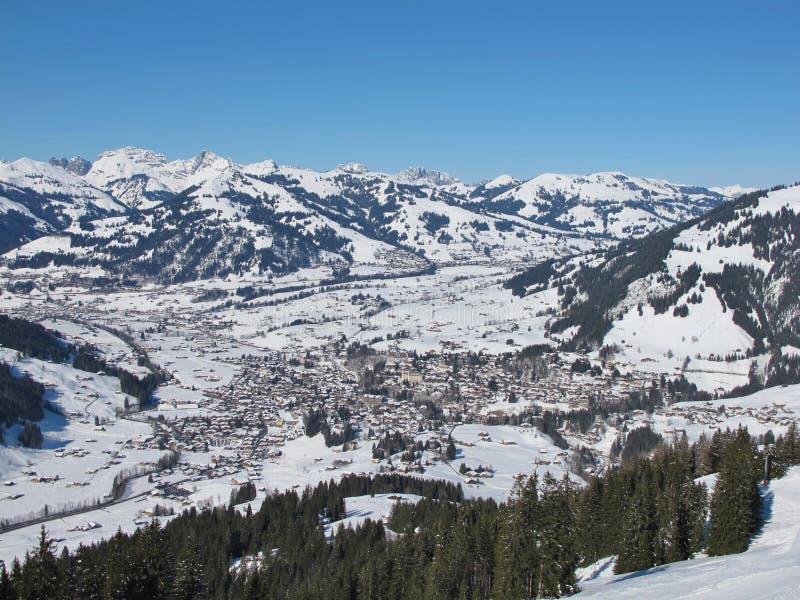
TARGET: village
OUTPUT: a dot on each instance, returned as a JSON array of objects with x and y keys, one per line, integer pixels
[
  {"x": 370, "y": 396},
  {"x": 232, "y": 413}
]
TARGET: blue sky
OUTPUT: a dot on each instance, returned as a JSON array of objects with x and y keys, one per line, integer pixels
[{"x": 697, "y": 92}]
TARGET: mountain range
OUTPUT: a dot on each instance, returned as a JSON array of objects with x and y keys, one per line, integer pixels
[{"x": 136, "y": 214}]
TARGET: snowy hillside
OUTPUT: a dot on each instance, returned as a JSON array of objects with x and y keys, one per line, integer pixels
[
  {"x": 733, "y": 191},
  {"x": 609, "y": 204},
  {"x": 19, "y": 225},
  {"x": 38, "y": 198},
  {"x": 58, "y": 185},
  {"x": 770, "y": 569},
  {"x": 715, "y": 295}
]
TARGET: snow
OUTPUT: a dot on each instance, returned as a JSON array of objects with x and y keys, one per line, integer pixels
[
  {"x": 84, "y": 397},
  {"x": 500, "y": 181},
  {"x": 353, "y": 168},
  {"x": 47, "y": 180},
  {"x": 7, "y": 206},
  {"x": 462, "y": 306},
  {"x": 733, "y": 191},
  {"x": 644, "y": 204},
  {"x": 419, "y": 175},
  {"x": 769, "y": 569},
  {"x": 300, "y": 197},
  {"x": 775, "y": 201},
  {"x": 510, "y": 451},
  {"x": 52, "y": 243},
  {"x": 376, "y": 508}
]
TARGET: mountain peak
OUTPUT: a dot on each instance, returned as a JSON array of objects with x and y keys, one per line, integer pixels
[
  {"x": 421, "y": 175},
  {"x": 264, "y": 167},
  {"x": 353, "y": 168},
  {"x": 132, "y": 153},
  {"x": 207, "y": 159},
  {"x": 76, "y": 164},
  {"x": 733, "y": 191},
  {"x": 503, "y": 180}
]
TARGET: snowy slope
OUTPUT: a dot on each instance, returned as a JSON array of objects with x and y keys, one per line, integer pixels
[
  {"x": 705, "y": 297},
  {"x": 40, "y": 198},
  {"x": 733, "y": 191},
  {"x": 768, "y": 570},
  {"x": 58, "y": 184},
  {"x": 19, "y": 225},
  {"x": 612, "y": 204}
]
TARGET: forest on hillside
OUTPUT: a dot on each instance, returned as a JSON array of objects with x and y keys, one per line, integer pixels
[{"x": 648, "y": 512}]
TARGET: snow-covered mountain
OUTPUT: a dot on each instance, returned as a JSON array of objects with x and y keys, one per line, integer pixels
[
  {"x": 142, "y": 178},
  {"x": 39, "y": 198},
  {"x": 76, "y": 164},
  {"x": 264, "y": 217},
  {"x": 19, "y": 225},
  {"x": 418, "y": 175},
  {"x": 733, "y": 191},
  {"x": 608, "y": 204},
  {"x": 720, "y": 290}
]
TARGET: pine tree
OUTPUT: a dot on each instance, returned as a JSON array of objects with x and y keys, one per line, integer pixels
[
  {"x": 87, "y": 578},
  {"x": 637, "y": 545},
  {"x": 7, "y": 591},
  {"x": 40, "y": 571},
  {"x": 674, "y": 476},
  {"x": 557, "y": 538},
  {"x": 697, "y": 508},
  {"x": 517, "y": 556},
  {"x": 786, "y": 451},
  {"x": 736, "y": 503},
  {"x": 189, "y": 582}
]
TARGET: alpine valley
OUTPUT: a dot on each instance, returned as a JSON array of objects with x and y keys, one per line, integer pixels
[{"x": 571, "y": 378}]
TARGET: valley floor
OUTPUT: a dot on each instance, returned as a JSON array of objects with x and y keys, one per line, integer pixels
[{"x": 244, "y": 375}]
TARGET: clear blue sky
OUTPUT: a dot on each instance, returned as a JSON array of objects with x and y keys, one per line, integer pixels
[{"x": 697, "y": 92}]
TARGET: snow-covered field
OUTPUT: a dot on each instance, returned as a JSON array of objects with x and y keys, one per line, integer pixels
[
  {"x": 509, "y": 451},
  {"x": 376, "y": 508}
]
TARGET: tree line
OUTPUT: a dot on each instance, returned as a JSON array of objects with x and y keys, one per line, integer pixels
[{"x": 648, "y": 512}]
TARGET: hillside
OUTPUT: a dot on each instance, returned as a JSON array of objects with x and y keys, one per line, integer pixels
[
  {"x": 718, "y": 290},
  {"x": 607, "y": 204},
  {"x": 38, "y": 198},
  {"x": 769, "y": 569}
]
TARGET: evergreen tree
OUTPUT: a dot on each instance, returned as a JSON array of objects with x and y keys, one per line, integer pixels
[
  {"x": 637, "y": 546},
  {"x": 594, "y": 536},
  {"x": 557, "y": 538},
  {"x": 736, "y": 503},
  {"x": 517, "y": 557},
  {"x": 702, "y": 458},
  {"x": 7, "y": 590},
  {"x": 189, "y": 582},
  {"x": 786, "y": 451},
  {"x": 39, "y": 577}
]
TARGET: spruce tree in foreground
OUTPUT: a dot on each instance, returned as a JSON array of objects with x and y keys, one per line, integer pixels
[
  {"x": 638, "y": 536},
  {"x": 736, "y": 504}
]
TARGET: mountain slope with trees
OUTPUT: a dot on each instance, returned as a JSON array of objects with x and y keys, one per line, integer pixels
[
  {"x": 721, "y": 287},
  {"x": 648, "y": 513}
]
